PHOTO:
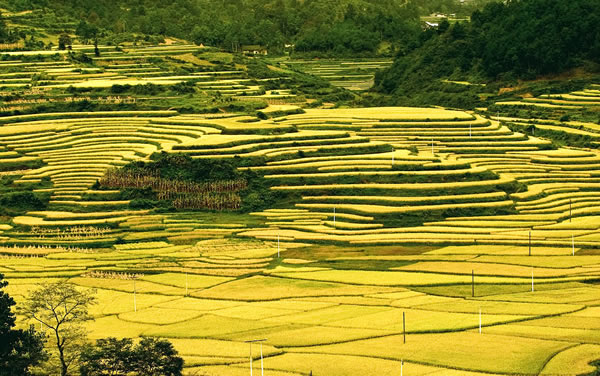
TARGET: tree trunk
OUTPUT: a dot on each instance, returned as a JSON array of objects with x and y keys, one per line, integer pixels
[{"x": 61, "y": 355}]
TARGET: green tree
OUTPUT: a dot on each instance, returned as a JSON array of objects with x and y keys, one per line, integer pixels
[
  {"x": 86, "y": 32},
  {"x": 3, "y": 30},
  {"x": 19, "y": 349},
  {"x": 64, "y": 41},
  {"x": 112, "y": 357},
  {"x": 62, "y": 309},
  {"x": 156, "y": 357}
]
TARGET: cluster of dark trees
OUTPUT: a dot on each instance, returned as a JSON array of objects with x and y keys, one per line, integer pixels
[
  {"x": 7, "y": 35},
  {"x": 112, "y": 356},
  {"x": 515, "y": 39},
  {"x": 350, "y": 26},
  {"x": 182, "y": 168}
]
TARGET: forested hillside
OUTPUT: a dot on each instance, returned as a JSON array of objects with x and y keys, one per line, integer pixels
[
  {"x": 518, "y": 39},
  {"x": 340, "y": 26}
]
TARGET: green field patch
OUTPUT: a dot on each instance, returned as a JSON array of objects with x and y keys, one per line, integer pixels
[
  {"x": 462, "y": 350},
  {"x": 128, "y": 286},
  {"x": 344, "y": 365},
  {"x": 421, "y": 321},
  {"x": 259, "y": 288},
  {"x": 421, "y": 300},
  {"x": 112, "y": 302},
  {"x": 575, "y": 360},
  {"x": 251, "y": 312},
  {"x": 190, "y": 281},
  {"x": 490, "y": 291},
  {"x": 588, "y": 295},
  {"x": 315, "y": 335},
  {"x": 328, "y": 315},
  {"x": 543, "y": 261},
  {"x": 574, "y": 335},
  {"x": 154, "y": 251},
  {"x": 567, "y": 321},
  {"x": 394, "y": 278},
  {"x": 507, "y": 250},
  {"x": 351, "y": 300},
  {"x": 491, "y": 269},
  {"x": 216, "y": 348},
  {"x": 111, "y": 326},
  {"x": 588, "y": 312},
  {"x": 500, "y": 308},
  {"x": 296, "y": 305},
  {"x": 194, "y": 304},
  {"x": 205, "y": 327},
  {"x": 159, "y": 316}
]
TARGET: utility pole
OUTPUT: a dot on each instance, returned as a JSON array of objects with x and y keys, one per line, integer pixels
[
  {"x": 404, "y": 326},
  {"x": 333, "y": 217},
  {"x": 473, "y": 283},
  {"x": 260, "y": 341}
]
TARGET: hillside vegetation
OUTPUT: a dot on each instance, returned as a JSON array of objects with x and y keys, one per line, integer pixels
[
  {"x": 341, "y": 26},
  {"x": 503, "y": 42}
]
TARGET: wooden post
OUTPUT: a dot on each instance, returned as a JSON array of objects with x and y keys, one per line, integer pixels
[
  {"x": 404, "y": 325},
  {"x": 570, "y": 210},
  {"x": 473, "y": 283}
]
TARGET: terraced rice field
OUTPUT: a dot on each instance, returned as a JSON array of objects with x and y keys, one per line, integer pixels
[
  {"x": 349, "y": 74},
  {"x": 577, "y": 99},
  {"x": 483, "y": 239}
]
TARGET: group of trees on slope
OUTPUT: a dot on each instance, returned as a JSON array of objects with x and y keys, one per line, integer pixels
[
  {"x": 515, "y": 39},
  {"x": 342, "y": 26}
]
